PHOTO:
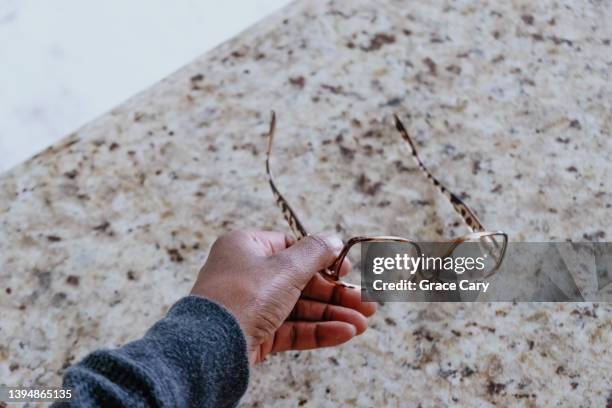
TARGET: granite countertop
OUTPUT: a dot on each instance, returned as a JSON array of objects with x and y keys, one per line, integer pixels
[{"x": 511, "y": 105}]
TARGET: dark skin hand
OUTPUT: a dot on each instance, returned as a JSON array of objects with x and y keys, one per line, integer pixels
[{"x": 271, "y": 284}]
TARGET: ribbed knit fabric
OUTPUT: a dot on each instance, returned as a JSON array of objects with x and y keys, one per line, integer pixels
[{"x": 194, "y": 357}]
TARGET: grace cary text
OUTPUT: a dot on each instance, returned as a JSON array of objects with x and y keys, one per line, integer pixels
[{"x": 426, "y": 285}]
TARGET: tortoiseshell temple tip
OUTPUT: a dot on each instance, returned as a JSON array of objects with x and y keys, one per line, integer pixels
[
  {"x": 272, "y": 120},
  {"x": 398, "y": 124},
  {"x": 271, "y": 132}
]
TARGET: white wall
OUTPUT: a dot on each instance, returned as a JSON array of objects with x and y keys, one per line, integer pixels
[{"x": 64, "y": 62}]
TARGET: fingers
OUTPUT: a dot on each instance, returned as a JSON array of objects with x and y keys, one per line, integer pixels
[
  {"x": 313, "y": 311},
  {"x": 322, "y": 290},
  {"x": 310, "y": 335},
  {"x": 346, "y": 267},
  {"x": 306, "y": 257}
]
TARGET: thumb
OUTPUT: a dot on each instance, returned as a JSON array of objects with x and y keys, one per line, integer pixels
[{"x": 308, "y": 256}]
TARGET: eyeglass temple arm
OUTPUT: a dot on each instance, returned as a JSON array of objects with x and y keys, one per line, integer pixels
[
  {"x": 294, "y": 223},
  {"x": 468, "y": 216}
]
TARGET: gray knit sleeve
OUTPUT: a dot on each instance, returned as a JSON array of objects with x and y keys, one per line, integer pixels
[{"x": 195, "y": 356}]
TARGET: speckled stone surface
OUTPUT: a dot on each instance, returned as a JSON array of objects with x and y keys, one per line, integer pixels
[{"x": 511, "y": 105}]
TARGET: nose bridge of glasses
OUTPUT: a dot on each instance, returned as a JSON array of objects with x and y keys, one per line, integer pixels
[{"x": 437, "y": 249}]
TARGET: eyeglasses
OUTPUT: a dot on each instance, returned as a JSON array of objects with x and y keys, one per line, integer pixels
[{"x": 492, "y": 244}]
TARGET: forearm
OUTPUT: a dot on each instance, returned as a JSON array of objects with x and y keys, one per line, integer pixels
[{"x": 195, "y": 356}]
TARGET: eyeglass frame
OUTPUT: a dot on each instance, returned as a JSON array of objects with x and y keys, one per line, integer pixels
[{"x": 332, "y": 273}]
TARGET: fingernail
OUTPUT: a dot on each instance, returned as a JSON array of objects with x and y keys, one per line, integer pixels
[{"x": 334, "y": 241}]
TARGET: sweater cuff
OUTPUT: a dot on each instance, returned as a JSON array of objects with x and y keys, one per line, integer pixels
[
  {"x": 195, "y": 356},
  {"x": 213, "y": 347}
]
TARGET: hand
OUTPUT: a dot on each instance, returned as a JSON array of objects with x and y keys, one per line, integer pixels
[{"x": 271, "y": 285}]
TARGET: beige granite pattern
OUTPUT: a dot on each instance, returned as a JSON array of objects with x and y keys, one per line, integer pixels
[{"x": 511, "y": 105}]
